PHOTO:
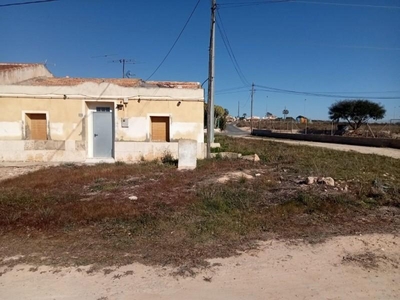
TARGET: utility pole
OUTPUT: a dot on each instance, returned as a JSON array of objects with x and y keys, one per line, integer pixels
[
  {"x": 306, "y": 119},
  {"x": 251, "y": 113},
  {"x": 123, "y": 61},
  {"x": 238, "y": 109},
  {"x": 210, "y": 100}
]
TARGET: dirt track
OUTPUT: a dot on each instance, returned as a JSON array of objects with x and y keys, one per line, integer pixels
[
  {"x": 354, "y": 267},
  {"x": 395, "y": 153}
]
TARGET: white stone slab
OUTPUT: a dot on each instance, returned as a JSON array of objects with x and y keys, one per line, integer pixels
[{"x": 187, "y": 154}]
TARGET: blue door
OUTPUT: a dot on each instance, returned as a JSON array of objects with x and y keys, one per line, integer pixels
[{"x": 102, "y": 134}]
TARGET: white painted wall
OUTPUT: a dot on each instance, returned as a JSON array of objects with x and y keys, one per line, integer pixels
[
  {"x": 25, "y": 72},
  {"x": 56, "y": 129},
  {"x": 135, "y": 151},
  {"x": 15, "y": 151},
  {"x": 183, "y": 129},
  {"x": 11, "y": 130}
]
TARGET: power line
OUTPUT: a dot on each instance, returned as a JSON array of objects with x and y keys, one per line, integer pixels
[
  {"x": 228, "y": 47},
  {"x": 231, "y": 92},
  {"x": 233, "y": 88},
  {"x": 242, "y": 4},
  {"x": 176, "y": 40},
  {"x": 26, "y": 3},
  {"x": 347, "y": 4},
  {"x": 317, "y": 94}
]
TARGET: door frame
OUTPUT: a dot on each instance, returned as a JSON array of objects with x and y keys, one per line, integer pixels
[
  {"x": 91, "y": 108},
  {"x": 159, "y": 115}
]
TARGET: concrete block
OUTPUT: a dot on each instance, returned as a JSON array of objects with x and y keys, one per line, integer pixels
[{"x": 187, "y": 154}]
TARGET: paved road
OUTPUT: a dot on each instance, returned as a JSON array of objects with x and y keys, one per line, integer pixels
[{"x": 234, "y": 131}]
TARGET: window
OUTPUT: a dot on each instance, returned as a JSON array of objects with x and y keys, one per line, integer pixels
[
  {"x": 160, "y": 129},
  {"x": 36, "y": 126},
  {"x": 102, "y": 109}
]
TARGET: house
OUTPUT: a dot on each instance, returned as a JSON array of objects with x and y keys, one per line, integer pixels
[
  {"x": 269, "y": 116},
  {"x": 45, "y": 118},
  {"x": 302, "y": 120}
]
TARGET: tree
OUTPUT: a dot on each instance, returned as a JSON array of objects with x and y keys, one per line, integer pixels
[
  {"x": 356, "y": 112},
  {"x": 220, "y": 115}
]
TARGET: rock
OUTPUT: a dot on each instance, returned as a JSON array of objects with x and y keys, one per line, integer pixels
[
  {"x": 310, "y": 180},
  {"x": 257, "y": 175},
  {"x": 329, "y": 181},
  {"x": 234, "y": 176},
  {"x": 346, "y": 188},
  {"x": 215, "y": 145},
  {"x": 253, "y": 157},
  {"x": 133, "y": 198},
  {"x": 230, "y": 155}
]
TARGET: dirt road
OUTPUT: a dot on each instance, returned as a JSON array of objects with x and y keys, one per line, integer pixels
[
  {"x": 395, "y": 153},
  {"x": 356, "y": 267}
]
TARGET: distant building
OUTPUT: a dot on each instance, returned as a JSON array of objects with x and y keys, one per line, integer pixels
[
  {"x": 269, "y": 116},
  {"x": 254, "y": 118},
  {"x": 302, "y": 120}
]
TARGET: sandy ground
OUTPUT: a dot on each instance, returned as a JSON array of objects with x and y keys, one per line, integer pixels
[
  {"x": 277, "y": 270},
  {"x": 15, "y": 169}
]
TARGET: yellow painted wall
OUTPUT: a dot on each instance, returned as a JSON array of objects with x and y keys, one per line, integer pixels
[
  {"x": 66, "y": 124},
  {"x": 187, "y": 111},
  {"x": 186, "y": 119},
  {"x": 63, "y": 115}
]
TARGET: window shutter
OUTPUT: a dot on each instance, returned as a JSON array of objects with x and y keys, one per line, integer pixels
[{"x": 160, "y": 129}]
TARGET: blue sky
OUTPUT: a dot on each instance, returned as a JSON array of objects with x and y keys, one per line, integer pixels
[{"x": 311, "y": 47}]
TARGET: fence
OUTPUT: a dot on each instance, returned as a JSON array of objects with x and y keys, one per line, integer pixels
[{"x": 371, "y": 130}]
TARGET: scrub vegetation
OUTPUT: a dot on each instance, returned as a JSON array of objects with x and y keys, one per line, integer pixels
[{"x": 152, "y": 213}]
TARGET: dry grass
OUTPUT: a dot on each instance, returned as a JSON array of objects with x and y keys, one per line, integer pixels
[{"x": 79, "y": 215}]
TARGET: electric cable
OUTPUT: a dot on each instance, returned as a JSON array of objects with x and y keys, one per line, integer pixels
[{"x": 176, "y": 40}]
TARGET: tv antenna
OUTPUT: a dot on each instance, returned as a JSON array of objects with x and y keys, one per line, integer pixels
[
  {"x": 105, "y": 55},
  {"x": 124, "y": 61}
]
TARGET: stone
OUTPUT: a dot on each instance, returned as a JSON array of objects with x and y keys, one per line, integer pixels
[
  {"x": 310, "y": 180},
  {"x": 215, "y": 145},
  {"x": 257, "y": 175},
  {"x": 187, "y": 154},
  {"x": 229, "y": 155},
  {"x": 329, "y": 181},
  {"x": 233, "y": 176},
  {"x": 133, "y": 198},
  {"x": 253, "y": 157}
]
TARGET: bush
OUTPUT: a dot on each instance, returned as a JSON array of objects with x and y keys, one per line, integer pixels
[{"x": 168, "y": 159}]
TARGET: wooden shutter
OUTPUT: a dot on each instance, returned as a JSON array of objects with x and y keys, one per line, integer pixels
[
  {"x": 38, "y": 126},
  {"x": 160, "y": 129}
]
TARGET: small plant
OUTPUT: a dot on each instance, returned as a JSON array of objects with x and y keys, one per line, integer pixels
[{"x": 168, "y": 159}]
